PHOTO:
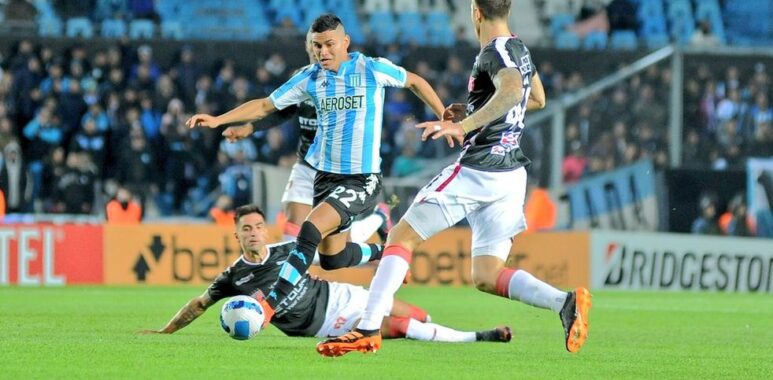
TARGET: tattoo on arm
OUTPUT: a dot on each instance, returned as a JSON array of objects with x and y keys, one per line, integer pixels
[
  {"x": 509, "y": 84},
  {"x": 192, "y": 310}
]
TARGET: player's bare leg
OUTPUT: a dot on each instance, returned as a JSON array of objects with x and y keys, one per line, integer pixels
[
  {"x": 379, "y": 222},
  {"x": 490, "y": 275},
  {"x": 406, "y": 310},
  {"x": 390, "y": 274}
]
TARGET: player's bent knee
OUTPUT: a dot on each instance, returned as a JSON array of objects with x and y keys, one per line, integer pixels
[
  {"x": 484, "y": 284},
  {"x": 404, "y": 235}
]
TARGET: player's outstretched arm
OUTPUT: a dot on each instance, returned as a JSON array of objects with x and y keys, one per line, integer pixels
[
  {"x": 509, "y": 86},
  {"x": 536, "y": 99},
  {"x": 425, "y": 92},
  {"x": 192, "y": 310},
  {"x": 253, "y": 110}
]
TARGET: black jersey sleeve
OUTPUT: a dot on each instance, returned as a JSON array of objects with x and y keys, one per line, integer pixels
[
  {"x": 276, "y": 118},
  {"x": 222, "y": 287}
]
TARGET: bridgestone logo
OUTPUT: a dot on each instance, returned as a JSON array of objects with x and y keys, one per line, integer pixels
[{"x": 724, "y": 271}]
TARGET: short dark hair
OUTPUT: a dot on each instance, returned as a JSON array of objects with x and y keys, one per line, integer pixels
[
  {"x": 493, "y": 9},
  {"x": 327, "y": 21},
  {"x": 246, "y": 210}
]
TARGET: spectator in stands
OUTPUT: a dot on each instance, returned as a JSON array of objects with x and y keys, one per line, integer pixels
[
  {"x": 145, "y": 59},
  {"x": 20, "y": 11},
  {"x": 142, "y": 81},
  {"x": 704, "y": 37},
  {"x": 44, "y": 133},
  {"x": 761, "y": 112},
  {"x": 123, "y": 209},
  {"x": 165, "y": 91},
  {"x": 179, "y": 170},
  {"x": 408, "y": 141},
  {"x": 185, "y": 74},
  {"x": 7, "y": 132},
  {"x": 74, "y": 190},
  {"x": 276, "y": 65},
  {"x": 15, "y": 181},
  {"x": 762, "y": 144},
  {"x": 706, "y": 223},
  {"x": 622, "y": 15},
  {"x": 236, "y": 180},
  {"x": 740, "y": 223},
  {"x": 540, "y": 210},
  {"x": 53, "y": 169},
  {"x": 271, "y": 147},
  {"x": 396, "y": 109},
  {"x": 222, "y": 211},
  {"x": 137, "y": 167},
  {"x": 287, "y": 30},
  {"x": 71, "y": 107},
  {"x": 91, "y": 142}
]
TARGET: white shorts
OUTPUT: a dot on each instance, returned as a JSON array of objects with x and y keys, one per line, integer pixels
[
  {"x": 491, "y": 201},
  {"x": 300, "y": 186},
  {"x": 345, "y": 306}
]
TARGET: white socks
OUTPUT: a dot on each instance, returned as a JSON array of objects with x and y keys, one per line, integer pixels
[
  {"x": 436, "y": 333},
  {"x": 531, "y": 291},
  {"x": 389, "y": 276}
]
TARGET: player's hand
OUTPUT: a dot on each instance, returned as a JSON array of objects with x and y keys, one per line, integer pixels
[
  {"x": 437, "y": 129},
  {"x": 233, "y": 134},
  {"x": 455, "y": 112},
  {"x": 202, "y": 120}
]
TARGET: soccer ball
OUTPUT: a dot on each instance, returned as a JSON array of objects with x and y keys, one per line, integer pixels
[{"x": 242, "y": 317}]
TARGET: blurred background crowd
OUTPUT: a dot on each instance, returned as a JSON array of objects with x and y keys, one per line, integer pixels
[{"x": 80, "y": 122}]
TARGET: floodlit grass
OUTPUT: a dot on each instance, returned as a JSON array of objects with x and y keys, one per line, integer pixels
[{"x": 90, "y": 332}]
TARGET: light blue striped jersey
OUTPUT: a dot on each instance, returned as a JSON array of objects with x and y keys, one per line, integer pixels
[{"x": 350, "y": 107}]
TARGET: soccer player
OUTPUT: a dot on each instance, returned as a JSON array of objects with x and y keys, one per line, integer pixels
[
  {"x": 486, "y": 185},
  {"x": 347, "y": 90},
  {"x": 318, "y": 308},
  {"x": 298, "y": 196}
]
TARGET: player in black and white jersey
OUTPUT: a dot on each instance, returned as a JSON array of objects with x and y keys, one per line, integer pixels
[
  {"x": 487, "y": 185},
  {"x": 314, "y": 307},
  {"x": 298, "y": 196}
]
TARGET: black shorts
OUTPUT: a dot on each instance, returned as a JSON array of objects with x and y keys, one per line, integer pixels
[{"x": 351, "y": 195}]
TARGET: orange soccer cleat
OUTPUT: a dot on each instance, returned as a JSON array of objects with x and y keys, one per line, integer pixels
[
  {"x": 351, "y": 341},
  {"x": 574, "y": 317}
]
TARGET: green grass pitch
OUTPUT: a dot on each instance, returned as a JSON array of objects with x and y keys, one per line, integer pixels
[{"x": 90, "y": 332}]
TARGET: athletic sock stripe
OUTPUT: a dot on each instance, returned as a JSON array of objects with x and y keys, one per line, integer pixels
[
  {"x": 398, "y": 250},
  {"x": 366, "y": 253},
  {"x": 503, "y": 282}
]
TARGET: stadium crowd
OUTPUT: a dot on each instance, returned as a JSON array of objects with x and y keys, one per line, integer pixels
[{"x": 81, "y": 122}]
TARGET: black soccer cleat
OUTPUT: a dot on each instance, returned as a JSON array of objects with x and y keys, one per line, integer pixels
[
  {"x": 574, "y": 317},
  {"x": 500, "y": 334}
]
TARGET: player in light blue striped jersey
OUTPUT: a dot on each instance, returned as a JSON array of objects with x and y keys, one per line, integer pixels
[{"x": 347, "y": 90}]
